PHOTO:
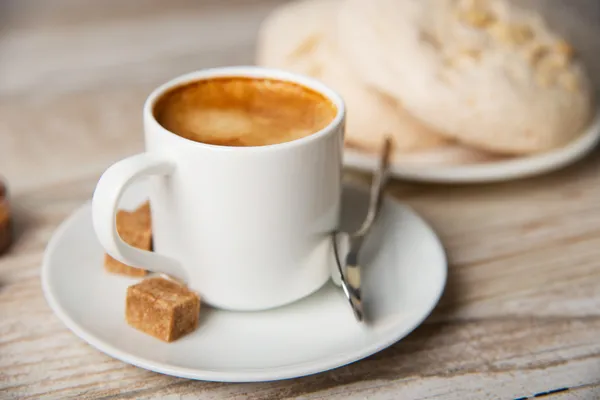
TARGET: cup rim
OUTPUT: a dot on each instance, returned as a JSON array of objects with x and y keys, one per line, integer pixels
[{"x": 247, "y": 72}]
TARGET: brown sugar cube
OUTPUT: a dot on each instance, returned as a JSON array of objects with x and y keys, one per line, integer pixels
[
  {"x": 140, "y": 217},
  {"x": 162, "y": 308},
  {"x": 143, "y": 213},
  {"x": 144, "y": 219},
  {"x": 135, "y": 229},
  {"x": 5, "y": 220}
]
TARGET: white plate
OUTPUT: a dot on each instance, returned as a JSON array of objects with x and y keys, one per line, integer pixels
[
  {"x": 493, "y": 171},
  {"x": 405, "y": 277}
]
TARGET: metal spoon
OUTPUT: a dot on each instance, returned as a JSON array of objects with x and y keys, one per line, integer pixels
[{"x": 350, "y": 244}]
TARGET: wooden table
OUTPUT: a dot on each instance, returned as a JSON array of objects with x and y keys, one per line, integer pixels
[{"x": 521, "y": 313}]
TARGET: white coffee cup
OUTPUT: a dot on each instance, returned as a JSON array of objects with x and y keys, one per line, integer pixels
[{"x": 246, "y": 227}]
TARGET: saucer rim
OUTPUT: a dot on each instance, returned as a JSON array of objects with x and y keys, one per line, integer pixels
[{"x": 240, "y": 375}]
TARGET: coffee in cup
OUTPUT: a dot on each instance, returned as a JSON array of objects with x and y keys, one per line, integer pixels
[{"x": 241, "y": 111}]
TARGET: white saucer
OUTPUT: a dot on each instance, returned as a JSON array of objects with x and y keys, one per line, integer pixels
[
  {"x": 429, "y": 168},
  {"x": 405, "y": 277}
]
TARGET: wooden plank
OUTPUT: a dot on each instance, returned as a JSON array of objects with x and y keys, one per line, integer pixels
[{"x": 495, "y": 343}]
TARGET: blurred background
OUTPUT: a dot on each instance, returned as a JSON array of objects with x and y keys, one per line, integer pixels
[
  {"x": 80, "y": 70},
  {"x": 77, "y": 72}
]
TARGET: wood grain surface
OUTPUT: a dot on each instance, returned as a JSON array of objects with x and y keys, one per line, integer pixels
[{"x": 521, "y": 313}]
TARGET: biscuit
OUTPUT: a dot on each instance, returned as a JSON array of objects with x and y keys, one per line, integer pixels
[
  {"x": 483, "y": 72},
  {"x": 299, "y": 37},
  {"x": 372, "y": 115}
]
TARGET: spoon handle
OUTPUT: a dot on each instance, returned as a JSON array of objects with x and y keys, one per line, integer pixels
[
  {"x": 352, "y": 276},
  {"x": 379, "y": 180}
]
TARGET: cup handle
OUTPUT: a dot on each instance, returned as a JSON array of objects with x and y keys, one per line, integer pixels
[{"x": 105, "y": 204}]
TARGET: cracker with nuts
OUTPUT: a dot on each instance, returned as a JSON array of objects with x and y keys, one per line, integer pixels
[{"x": 498, "y": 78}]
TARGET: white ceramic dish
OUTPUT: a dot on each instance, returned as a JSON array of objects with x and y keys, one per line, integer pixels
[
  {"x": 493, "y": 171},
  {"x": 404, "y": 278}
]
